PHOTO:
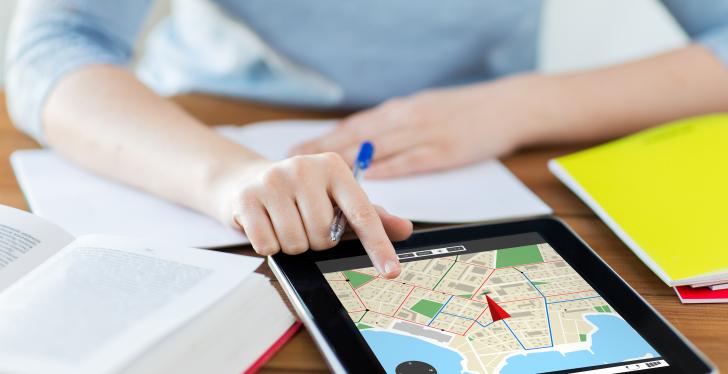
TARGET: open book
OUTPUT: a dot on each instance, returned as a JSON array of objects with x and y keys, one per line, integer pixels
[{"x": 107, "y": 304}]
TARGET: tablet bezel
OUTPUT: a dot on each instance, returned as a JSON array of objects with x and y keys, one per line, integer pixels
[{"x": 321, "y": 307}]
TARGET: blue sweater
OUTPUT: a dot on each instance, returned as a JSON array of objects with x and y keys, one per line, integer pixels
[{"x": 321, "y": 53}]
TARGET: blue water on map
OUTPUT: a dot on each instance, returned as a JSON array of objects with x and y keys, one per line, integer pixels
[
  {"x": 615, "y": 341},
  {"x": 392, "y": 349}
]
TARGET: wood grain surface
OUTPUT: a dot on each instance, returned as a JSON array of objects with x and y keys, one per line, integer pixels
[{"x": 704, "y": 324}]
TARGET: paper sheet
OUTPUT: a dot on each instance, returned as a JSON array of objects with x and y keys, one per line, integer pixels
[
  {"x": 84, "y": 203},
  {"x": 482, "y": 192}
]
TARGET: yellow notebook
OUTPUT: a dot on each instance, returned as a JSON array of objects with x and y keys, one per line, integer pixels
[{"x": 664, "y": 192}]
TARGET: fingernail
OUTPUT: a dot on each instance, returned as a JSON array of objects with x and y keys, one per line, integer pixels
[{"x": 391, "y": 267}]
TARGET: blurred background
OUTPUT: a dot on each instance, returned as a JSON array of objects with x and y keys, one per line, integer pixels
[{"x": 577, "y": 33}]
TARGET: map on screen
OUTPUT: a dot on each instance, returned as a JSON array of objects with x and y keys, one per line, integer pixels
[{"x": 497, "y": 305}]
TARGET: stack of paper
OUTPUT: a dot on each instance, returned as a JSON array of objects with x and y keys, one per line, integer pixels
[
  {"x": 85, "y": 203},
  {"x": 662, "y": 191}
]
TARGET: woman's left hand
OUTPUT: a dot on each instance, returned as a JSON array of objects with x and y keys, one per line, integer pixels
[{"x": 437, "y": 129}]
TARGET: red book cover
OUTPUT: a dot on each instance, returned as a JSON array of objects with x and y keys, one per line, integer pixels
[
  {"x": 277, "y": 345},
  {"x": 689, "y": 295}
]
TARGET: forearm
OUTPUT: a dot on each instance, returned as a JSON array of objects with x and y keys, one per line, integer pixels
[
  {"x": 104, "y": 119},
  {"x": 605, "y": 103}
]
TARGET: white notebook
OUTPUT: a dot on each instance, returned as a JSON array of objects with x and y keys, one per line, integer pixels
[{"x": 85, "y": 203}]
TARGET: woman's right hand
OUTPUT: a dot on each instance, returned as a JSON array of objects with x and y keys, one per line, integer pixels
[{"x": 289, "y": 206}]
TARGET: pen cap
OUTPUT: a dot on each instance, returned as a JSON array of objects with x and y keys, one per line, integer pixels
[{"x": 366, "y": 152}]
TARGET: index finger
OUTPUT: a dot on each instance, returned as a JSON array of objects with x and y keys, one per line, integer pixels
[{"x": 364, "y": 220}]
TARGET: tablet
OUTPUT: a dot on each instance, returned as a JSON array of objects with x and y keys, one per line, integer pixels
[{"x": 519, "y": 297}]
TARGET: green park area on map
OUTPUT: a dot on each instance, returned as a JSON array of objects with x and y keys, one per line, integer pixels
[
  {"x": 356, "y": 278},
  {"x": 426, "y": 307},
  {"x": 527, "y": 254}
]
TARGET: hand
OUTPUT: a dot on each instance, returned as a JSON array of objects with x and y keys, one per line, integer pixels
[
  {"x": 436, "y": 129},
  {"x": 289, "y": 206}
]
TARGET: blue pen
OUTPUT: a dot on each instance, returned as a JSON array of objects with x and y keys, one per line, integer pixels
[{"x": 363, "y": 160}]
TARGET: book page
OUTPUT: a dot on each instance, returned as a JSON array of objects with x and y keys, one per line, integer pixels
[
  {"x": 484, "y": 191},
  {"x": 102, "y": 301},
  {"x": 26, "y": 241}
]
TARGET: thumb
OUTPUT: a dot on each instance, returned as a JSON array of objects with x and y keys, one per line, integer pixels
[{"x": 397, "y": 228}]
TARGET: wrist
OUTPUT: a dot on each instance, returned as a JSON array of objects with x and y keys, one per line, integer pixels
[
  {"x": 545, "y": 107},
  {"x": 560, "y": 108},
  {"x": 226, "y": 185}
]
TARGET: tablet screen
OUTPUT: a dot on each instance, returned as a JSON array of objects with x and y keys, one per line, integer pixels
[{"x": 509, "y": 304}]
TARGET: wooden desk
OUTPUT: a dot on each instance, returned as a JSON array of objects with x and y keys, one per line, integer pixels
[{"x": 705, "y": 325}]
